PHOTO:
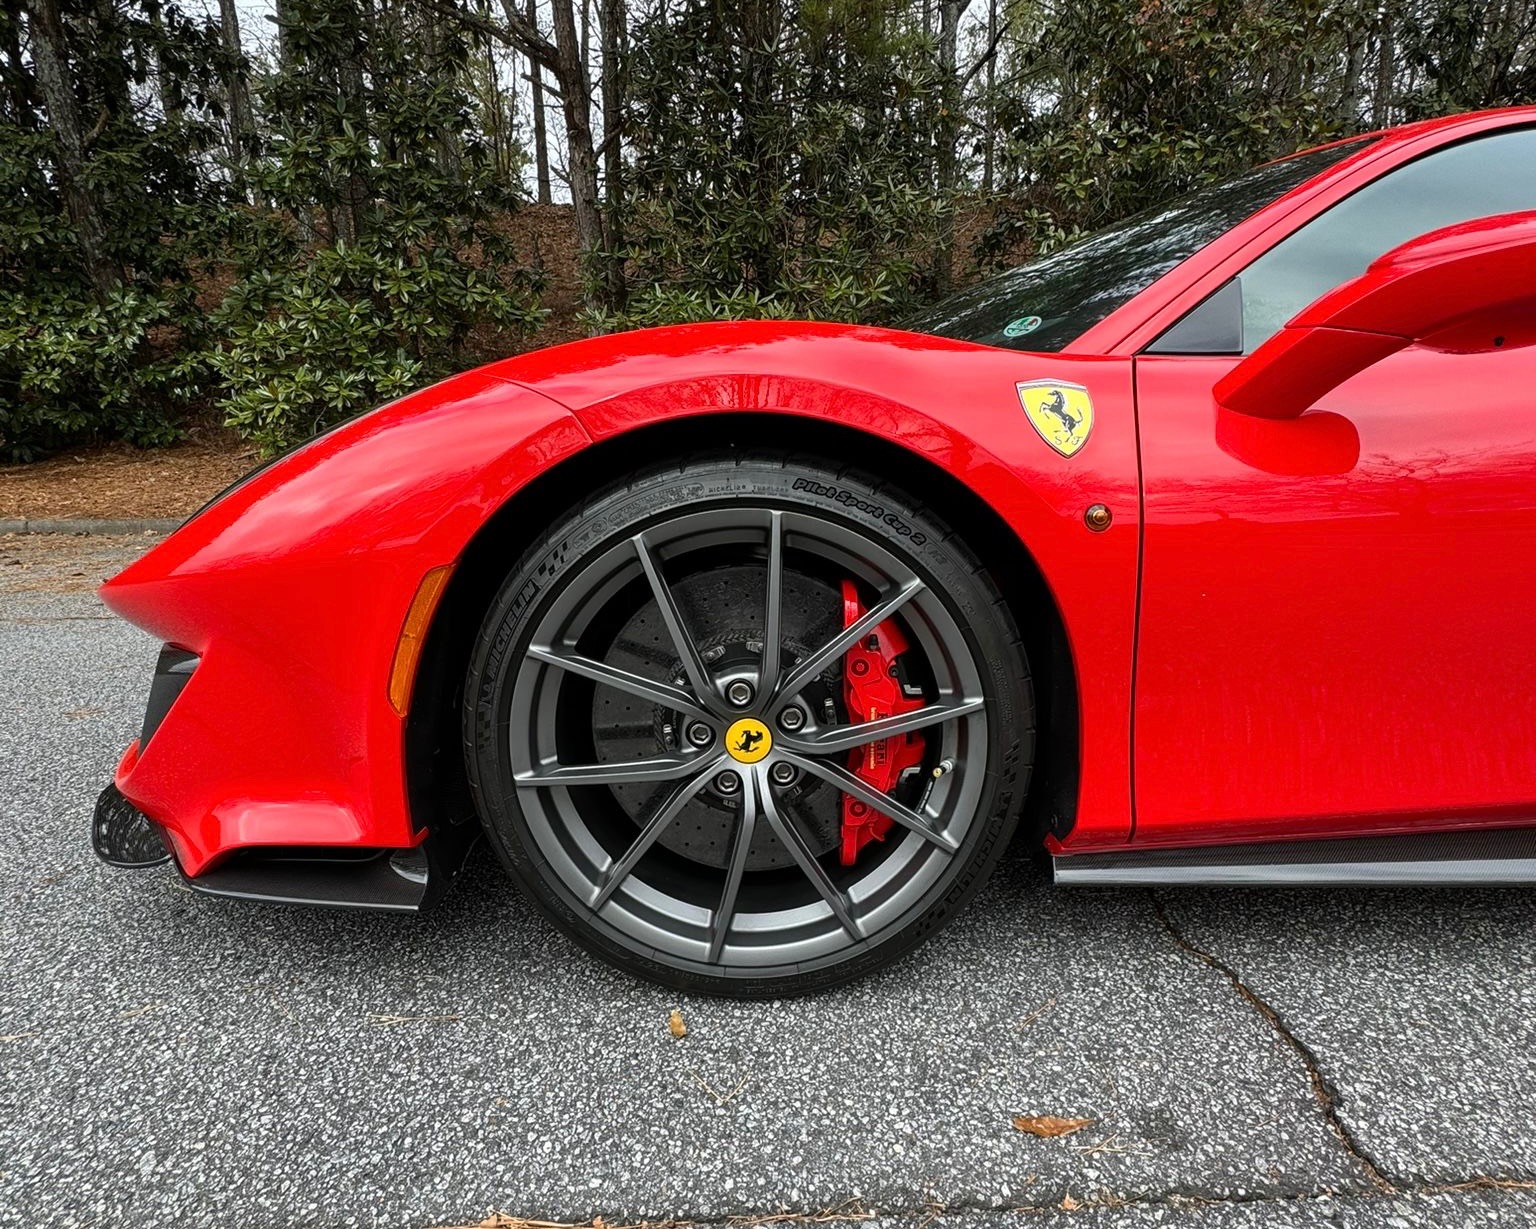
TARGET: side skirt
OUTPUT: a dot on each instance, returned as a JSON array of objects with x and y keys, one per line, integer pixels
[{"x": 1483, "y": 856}]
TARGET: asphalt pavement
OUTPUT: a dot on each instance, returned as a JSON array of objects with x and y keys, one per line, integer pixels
[{"x": 1279, "y": 1058}]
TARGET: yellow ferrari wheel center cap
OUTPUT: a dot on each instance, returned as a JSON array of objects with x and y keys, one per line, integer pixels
[{"x": 748, "y": 740}]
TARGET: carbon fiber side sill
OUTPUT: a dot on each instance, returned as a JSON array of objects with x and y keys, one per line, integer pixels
[{"x": 1481, "y": 856}]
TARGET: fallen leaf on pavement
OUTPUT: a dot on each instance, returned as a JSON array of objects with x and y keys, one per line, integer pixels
[
  {"x": 675, "y": 1023},
  {"x": 1068, "y": 1204},
  {"x": 1048, "y": 1127}
]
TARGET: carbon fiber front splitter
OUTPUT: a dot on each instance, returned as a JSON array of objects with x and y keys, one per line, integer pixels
[{"x": 392, "y": 880}]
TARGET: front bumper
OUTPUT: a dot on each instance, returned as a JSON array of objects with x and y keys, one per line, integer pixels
[
  {"x": 348, "y": 876},
  {"x": 392, "y": 880}
]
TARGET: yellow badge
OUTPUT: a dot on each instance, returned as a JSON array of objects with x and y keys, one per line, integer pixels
[
  {"x": 1061, "y": 413},
  {"x": 748, "y": 740}
]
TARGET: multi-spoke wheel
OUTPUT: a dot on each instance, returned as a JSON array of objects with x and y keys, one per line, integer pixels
[{"x": 749, "y": 727}]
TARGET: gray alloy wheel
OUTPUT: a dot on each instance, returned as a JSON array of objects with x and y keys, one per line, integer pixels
[{"x": 660, "y": 740}]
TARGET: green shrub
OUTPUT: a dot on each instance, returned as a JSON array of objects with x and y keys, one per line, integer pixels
[
  {"x": 345, "y": 329},
  {"x": 73, "y": 368}
]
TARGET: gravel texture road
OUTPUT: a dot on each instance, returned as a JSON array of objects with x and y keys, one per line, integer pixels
[{"x": 1247, "y": 1058}]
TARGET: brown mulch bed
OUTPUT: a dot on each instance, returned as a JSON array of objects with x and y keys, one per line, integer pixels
[{"x": 118, "y": 482}]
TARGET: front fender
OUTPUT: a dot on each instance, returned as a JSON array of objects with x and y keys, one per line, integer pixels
[{"x": 956, "y": 406}]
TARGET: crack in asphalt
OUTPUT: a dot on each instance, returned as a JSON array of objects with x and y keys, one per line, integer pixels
[{"x": 1323, "y": 1089}]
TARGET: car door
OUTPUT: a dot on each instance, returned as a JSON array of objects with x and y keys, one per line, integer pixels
[{"x": 1337, "y": 628}]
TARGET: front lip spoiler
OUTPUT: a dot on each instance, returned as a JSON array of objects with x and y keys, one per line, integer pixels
[
  {"x": 391, "y": 880},
  {"x": 385, "y": 880}
]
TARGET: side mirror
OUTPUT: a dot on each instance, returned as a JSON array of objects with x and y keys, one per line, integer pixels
[{"x": 1466, "y": 289}]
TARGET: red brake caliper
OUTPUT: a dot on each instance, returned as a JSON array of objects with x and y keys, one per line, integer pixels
[{"x": 871, "y": 690}]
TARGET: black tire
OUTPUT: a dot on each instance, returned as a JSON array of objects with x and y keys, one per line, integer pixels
[{"x": 568, "y": 771}]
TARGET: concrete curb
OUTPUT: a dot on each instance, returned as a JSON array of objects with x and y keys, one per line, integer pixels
[{"x": 84, "y": 526}]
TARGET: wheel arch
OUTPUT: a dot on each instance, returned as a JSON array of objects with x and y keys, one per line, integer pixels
[{"x": 436, "y": 778}]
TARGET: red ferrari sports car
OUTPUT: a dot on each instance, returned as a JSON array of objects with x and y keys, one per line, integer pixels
[{"x": 1202, "y": 548}]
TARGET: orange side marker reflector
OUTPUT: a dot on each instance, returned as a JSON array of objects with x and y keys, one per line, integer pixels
[{"x": 413, "y": 636}]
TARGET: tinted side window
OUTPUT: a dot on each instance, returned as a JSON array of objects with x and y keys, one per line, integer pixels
[{"x": 1482, "y": 177}]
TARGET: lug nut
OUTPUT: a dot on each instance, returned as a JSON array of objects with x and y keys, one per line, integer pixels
[
  {"x": 728, "y": 783},
  {"x": 782, "y": 773},
  {"x": 792, "y": 719},
  {"x": 739, "y": 693},
  {"x": 700, "y": 735}
]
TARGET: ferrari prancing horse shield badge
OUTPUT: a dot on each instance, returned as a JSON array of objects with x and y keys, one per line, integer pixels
[{"x": 1061, "y": 413}]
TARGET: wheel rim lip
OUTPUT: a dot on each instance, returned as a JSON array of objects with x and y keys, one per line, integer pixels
[{"x": 643, "y": 918}]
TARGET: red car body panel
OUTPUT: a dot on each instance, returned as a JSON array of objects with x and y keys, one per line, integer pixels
[
  {"x": 1342, "y": 641},
  {"x": 1291, "y": 583}
]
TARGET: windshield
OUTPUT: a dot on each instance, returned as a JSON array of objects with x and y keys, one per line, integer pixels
[{"x": 1045, "y": 304}]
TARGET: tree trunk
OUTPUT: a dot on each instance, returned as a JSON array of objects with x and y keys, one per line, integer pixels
[
  {"x": 285, "y": 40},
  {"x": 575, "y": 100},
  {"x": 1354, "y": 62},
  {"x": 50, "y": 54},
  {"x": 564, "y": 60},
  {"x": 540, "y": 135},
  {"x": 237, "y": 96},
  {"x": 1386, "y": 75},
  {"x": 170, "y": 104},
  {"x": 761, "y": 110},
  {"x": 356, "y": 195},
  {"x": 947, "y": 135},
  {"x": 450, "y": 157},
  {"x": 613, "y": 18},
  {"x": 989, "y": 111}
]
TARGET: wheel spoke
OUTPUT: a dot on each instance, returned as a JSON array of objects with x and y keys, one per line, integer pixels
[
  {"x": 624, "y": 680},
  {"x": 619, "y": 772},
  {"x": 738, "y": 865},
  {"x": 773, "y": 614},
  {"x": 869, "y": 796},
  {"x": 862, "y": 733},
  {"x": 620, "y": 870},
  {"x": 687, "y": 651},
  {"x": 789, "y": 835},
  {"x": 890, "y": 602}
]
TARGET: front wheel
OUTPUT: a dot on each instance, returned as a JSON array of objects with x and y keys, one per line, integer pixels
[{"x": 749, "y": 726}]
